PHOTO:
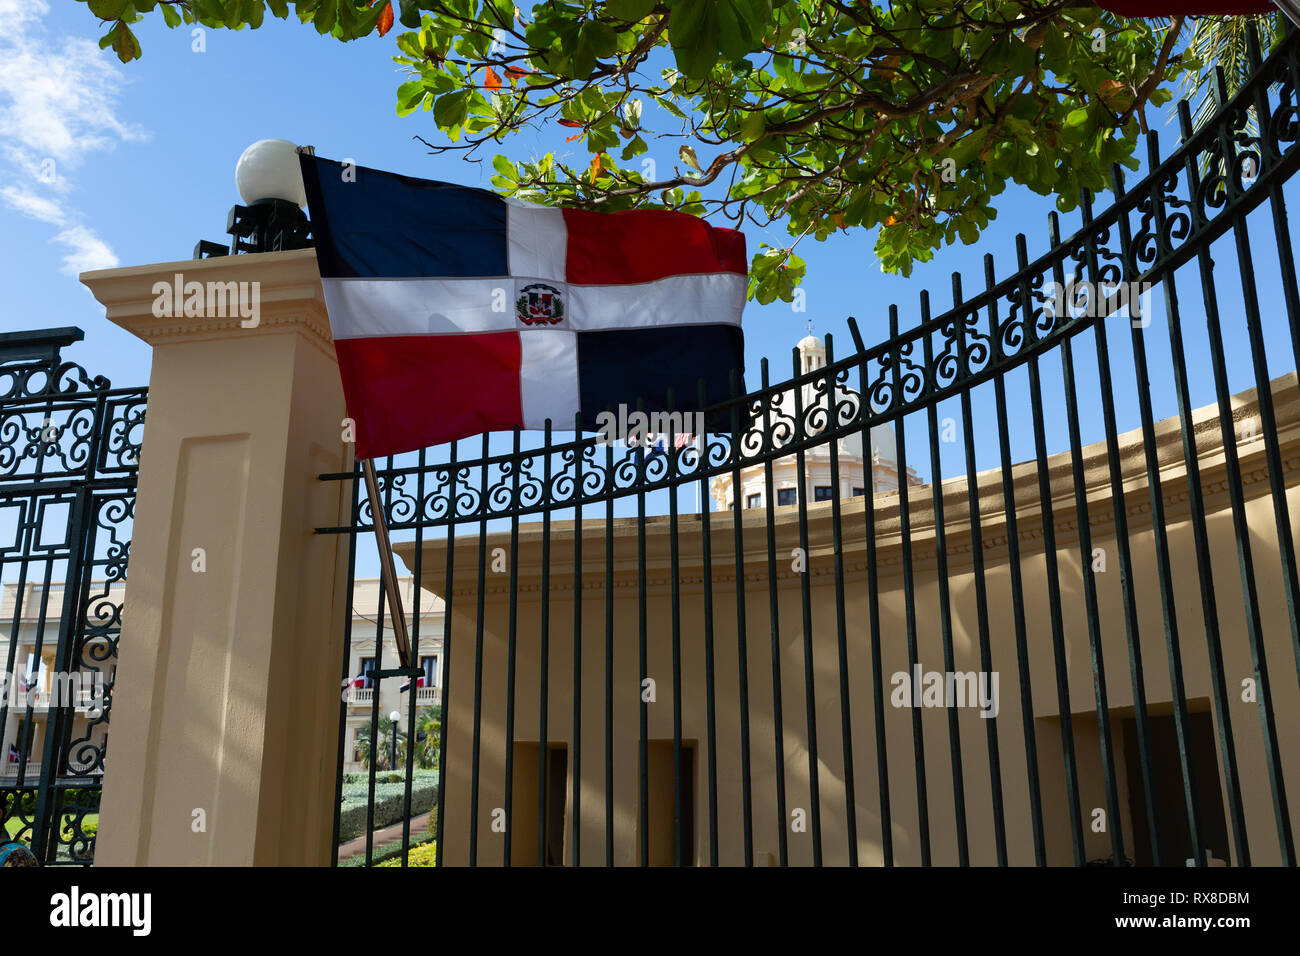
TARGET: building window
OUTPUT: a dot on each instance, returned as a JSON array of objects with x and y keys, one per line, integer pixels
[
  {"x": 430, "y": 667},
  {"x": 786, "y": 496},
  {"x": 859, "y": 492},
  {"x": 822, "y": 493},
  {"x": 754, "y": 501},
  {"x": 367, "y": 668},
  {"x": 731, "y": 505}
]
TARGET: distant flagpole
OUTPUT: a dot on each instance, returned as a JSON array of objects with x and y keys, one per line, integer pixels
[{"x": 386, "y": 567}]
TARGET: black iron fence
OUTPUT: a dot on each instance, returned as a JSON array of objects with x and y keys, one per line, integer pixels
[
  {"x": 69, "y": 447},
  {"x": 1110, "y": 435}
]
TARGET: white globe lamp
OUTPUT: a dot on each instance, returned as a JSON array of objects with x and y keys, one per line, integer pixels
[{"x": 269, "y": 170}]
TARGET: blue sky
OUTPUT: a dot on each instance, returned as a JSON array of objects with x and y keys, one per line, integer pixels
[{"x": 144, "y": 155}]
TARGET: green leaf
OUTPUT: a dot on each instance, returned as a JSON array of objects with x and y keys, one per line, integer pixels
[
  {"x": 125, "y": 45},
  {"x": 633, "y": 11},
  {"x": 326, "y": 16},
  {"x": 504, "y": 166},
  {"x": 752, "y": 126},
  {"x": 595, "y": 40},
  {"x": 409, "y": 14},
  {"x": 451, "y": 109}
]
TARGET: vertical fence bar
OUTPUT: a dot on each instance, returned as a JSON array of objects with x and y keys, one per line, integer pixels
[
  {"x": 805, "y": 590},
  {"x": 909, "y": 591},
  {"x": 1009, "y": 509},
  {"x": 674, "y": 561},
  {"x": 873, "y": 603},
  {"x": 345, "y": 667},
  {"x": 478, "y": 652},
  {"x": 610, "y": 479},
  {"x": 512, "y": 634},
  {"x": 778, "y": 729},
  {"x": 841, "y": 628},
  {"x": 742, "y": 643},
  {"x": 544, "y": 658},
  {"x": 706, "y": 555},
  {"x": 964, "y": 366},
  {"x": 1049, "y": 554},
  {"x": 445, "y": 693},
  {"x": 945, "y": 603},
  {"x": 642, "y": 666},
  {"x": 576, "y": 762},
  {"x": 415, "y": 659}
]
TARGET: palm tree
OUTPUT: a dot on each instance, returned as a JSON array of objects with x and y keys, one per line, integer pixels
[
  {"x": 364, "y": 746},
  {"x": 1221, "y": 42},
  {"x": 428, "y": 726}
]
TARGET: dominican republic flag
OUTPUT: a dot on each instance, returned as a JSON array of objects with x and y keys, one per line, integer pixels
[{"x": 456, "y": 311}]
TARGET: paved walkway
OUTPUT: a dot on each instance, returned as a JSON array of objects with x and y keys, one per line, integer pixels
[{"x": 389, "y": 834}]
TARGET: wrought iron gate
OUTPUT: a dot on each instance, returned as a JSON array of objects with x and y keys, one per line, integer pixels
[
  {"x": 1161, "y": 555},
  {"x": 69, "y": 447}
]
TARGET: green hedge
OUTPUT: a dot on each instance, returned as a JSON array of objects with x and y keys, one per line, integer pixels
[{"x": 390, "y": 796}]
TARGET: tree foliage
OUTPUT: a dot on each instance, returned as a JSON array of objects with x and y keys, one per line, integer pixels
[{"x": 820, "y": 115}]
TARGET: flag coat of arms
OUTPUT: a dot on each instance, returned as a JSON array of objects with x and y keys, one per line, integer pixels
[{"x": 456, "y": 311}]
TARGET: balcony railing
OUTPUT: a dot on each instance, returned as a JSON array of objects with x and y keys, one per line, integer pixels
[
  {"x": 32, "y": 773},
  {"x": 427, "y": 696},
  {"x": 361, "y": 695}
]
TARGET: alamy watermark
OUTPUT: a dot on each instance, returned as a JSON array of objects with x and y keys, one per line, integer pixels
[
  {"x": 645, "y": 429},
  {"x": 208, "y": 300},
  {"x": 84, "y": 689},
  {"x": 1098, "y": 300},
  {"x": 946, "y": 689}
]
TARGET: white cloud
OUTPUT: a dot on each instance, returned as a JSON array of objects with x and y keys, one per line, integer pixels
[
  {"x": 58, "y": 107},
  {"x": 30, "y": 204},
  {"x": 88, "y": 251}
]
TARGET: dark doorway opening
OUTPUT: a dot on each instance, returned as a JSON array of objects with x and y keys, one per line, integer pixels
[{"x": 1170, "y": 798}]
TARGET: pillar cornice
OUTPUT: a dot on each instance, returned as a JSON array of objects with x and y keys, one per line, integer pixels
[{"x": 290, "y": 298}]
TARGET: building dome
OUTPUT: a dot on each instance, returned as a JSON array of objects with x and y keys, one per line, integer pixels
[
  {"x": 858, "y": 474},
  {"x": 783, "y": 410}
]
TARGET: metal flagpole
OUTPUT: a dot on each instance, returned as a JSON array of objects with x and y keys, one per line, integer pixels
[{"x": 386, "y": 567}]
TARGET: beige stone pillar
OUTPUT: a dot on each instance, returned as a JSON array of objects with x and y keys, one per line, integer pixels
[{"x": 224, "y": 729}]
